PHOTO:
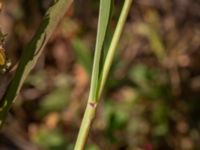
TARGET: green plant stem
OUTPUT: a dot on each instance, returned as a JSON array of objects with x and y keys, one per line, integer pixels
[
  {"x": 31, "y": 54},
  {"x": 90, "y": 111},
  {"x": 88, "y": 118}
]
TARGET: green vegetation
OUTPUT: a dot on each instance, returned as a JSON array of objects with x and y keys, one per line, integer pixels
[{"x": 145, "y": 84}]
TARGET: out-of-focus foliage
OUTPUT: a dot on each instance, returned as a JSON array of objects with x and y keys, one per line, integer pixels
[{"x": 152, "y": 96}]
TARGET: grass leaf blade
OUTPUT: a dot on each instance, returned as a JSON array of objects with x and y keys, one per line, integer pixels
[{"x": 104, "y": 17}]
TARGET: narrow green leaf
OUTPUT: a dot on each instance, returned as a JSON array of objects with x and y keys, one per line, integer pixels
[
  {"x": 113, "y": 46},
  {"x": 107, "y": 40},
  {"x": 32, "y": 52},
  {"x": 97, "y": 84},
  {"x": 104, "y": 16}
]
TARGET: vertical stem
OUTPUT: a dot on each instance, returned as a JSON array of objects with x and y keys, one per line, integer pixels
[
  {"x": 92, "y": 104},
  {"x": 85, "y": 126}
]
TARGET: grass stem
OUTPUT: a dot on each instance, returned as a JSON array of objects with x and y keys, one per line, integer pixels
[{"x": 90, "y": 111}]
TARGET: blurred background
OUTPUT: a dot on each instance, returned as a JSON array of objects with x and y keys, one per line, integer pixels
[{"x": 152, "y": 97}]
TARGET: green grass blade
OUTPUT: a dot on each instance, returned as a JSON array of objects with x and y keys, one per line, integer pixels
[
  {"x": 113, "y": 46},
  {"x": 91, "y": 108},
  {"x": 104, "y": 16},
  {"x": 31, "y": 54}
]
